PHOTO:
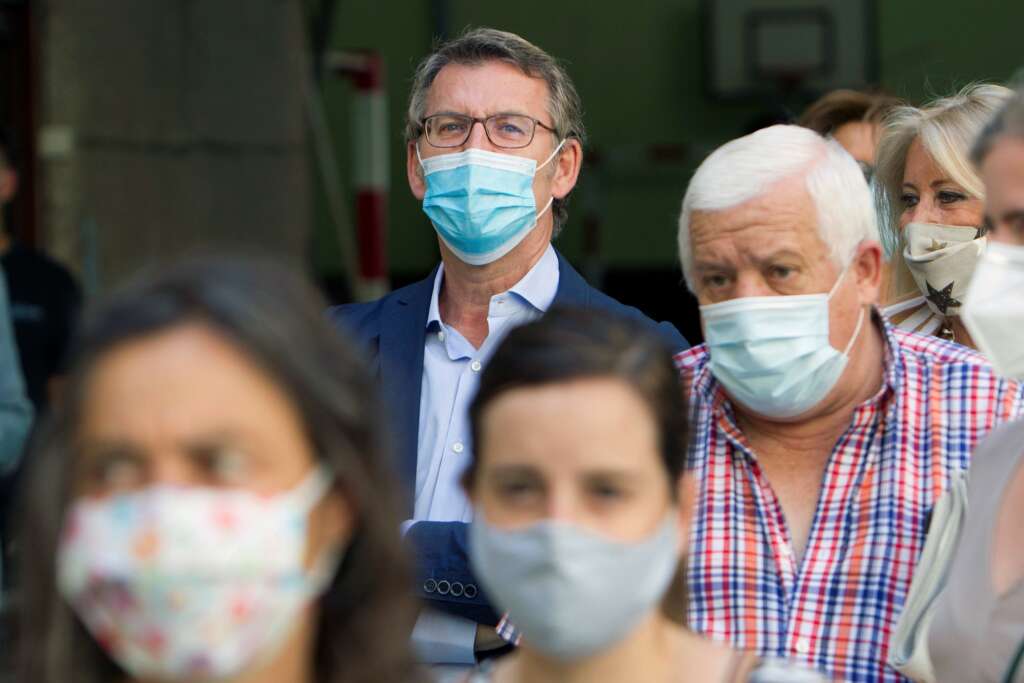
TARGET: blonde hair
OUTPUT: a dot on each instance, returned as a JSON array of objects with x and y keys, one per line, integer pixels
[{"x": 947, "y": 128}]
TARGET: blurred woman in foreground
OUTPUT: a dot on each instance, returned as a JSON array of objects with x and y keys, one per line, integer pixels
[
  {"x": 210, "y": 501},
  {"x": 583, "y": 508}
]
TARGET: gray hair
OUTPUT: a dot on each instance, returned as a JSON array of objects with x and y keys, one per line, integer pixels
[
  {"x": 747, "y": 167},
  {"x": 1008, "y": 122},
  {"x": 479, "y": 45}
]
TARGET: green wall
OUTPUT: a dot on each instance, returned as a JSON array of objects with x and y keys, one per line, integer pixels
[{"x": 638, "y": 69}]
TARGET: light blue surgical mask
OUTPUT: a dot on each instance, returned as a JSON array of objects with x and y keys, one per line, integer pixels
[
  {"x": 772, "y": 353},
  {"x": 481, "y": 203}
]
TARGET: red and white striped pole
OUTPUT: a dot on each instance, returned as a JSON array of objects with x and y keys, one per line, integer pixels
[{"x": 369, "y": 144}]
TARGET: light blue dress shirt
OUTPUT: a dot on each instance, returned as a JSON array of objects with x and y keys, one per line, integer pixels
[
  {"x": 15, "y": 408},
  {"x": 451, "y": 374}
]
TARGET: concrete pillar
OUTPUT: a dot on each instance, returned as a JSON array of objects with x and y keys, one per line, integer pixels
[{"x": 171, "y": 125}]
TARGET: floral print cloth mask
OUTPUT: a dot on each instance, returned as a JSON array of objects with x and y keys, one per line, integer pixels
[{"x": 192, "y": 583}]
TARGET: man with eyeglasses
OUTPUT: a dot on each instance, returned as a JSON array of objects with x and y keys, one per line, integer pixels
[{"x": 495, "y": 137}]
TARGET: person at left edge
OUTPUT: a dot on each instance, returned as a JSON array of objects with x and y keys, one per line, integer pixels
[{"x": 495, "y": 143}]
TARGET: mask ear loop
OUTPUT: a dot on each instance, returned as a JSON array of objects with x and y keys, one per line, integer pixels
[
  {"x": 552, "y": 156},
  {"x": 856, "y": 332},
  {"x": 860, "y": 318},
  {"x": 551, "y": 200}
]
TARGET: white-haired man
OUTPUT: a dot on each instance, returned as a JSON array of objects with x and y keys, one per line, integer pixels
[{"x": 822, "y": 436}]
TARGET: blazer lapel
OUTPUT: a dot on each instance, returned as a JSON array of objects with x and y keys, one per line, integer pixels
[
  {"x": 402, "y": 335},
  {"x": 573, "y": 290}
]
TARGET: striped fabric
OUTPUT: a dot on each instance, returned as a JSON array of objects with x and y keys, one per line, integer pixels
[{"x": 836, "y": 610}]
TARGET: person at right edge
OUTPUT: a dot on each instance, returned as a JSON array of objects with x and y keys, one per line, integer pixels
[{"x": 977, "y": 633}]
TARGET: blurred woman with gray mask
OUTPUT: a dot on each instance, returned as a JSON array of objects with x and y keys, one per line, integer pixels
[{"x": 583, "y": 506}]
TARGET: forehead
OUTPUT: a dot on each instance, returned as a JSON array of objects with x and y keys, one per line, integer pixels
[
  {"x": 920, "y": 164},
  {"x": 783, "y": 217},
  {"x": 178, "y": 381},
  {"x": 1003, "y": 166},
  {"x": 586, "y": 423},
  {"x": 488, "y": 88}
]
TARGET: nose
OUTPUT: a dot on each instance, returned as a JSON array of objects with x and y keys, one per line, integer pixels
[
  {"x": 172, "y": 470},
  {"x": 478, "y": 137},
  {"x": 747, "y": 284},
  {"x": 924, "y": 212},
  {"x": 560, "y": 507}
]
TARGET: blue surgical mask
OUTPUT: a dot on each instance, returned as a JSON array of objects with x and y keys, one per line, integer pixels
[
  {"x": 772, "y": 354},
  {"x": 481, "y": 203}
]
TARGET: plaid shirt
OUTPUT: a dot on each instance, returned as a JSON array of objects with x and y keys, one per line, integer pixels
[{"x": 835, "y": 610}]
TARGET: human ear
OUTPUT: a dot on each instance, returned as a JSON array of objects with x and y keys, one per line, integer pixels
[
  {"x": 414, "y": 172},
  {"x": 567, "y": 168},
  {"x": 867, "y": 269}
]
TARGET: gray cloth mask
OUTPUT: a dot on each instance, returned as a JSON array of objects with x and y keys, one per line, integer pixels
[{"x": 570, "y": 591}]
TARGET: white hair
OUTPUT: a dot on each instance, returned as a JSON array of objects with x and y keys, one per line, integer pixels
[{"x": 747, "y": 167}]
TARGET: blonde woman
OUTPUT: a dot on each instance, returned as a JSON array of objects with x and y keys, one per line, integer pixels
[{"x": 931, "y": 204}]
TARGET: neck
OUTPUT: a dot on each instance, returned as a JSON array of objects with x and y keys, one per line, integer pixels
[
  {"x": 818, "y": 432},
  {"x": 466, "y": 290},
  {"x": 658, "y": 651}
]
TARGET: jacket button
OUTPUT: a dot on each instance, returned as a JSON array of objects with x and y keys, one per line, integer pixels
[
  {"x": 443, "y": 587},
  {"x": 457, "y": 589},
  {"x": 430, "y": 586},
  {"x": 470, "y": 591}
]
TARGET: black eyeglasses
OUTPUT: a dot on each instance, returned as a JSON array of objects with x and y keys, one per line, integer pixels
[{"x": 510, "y": 131}]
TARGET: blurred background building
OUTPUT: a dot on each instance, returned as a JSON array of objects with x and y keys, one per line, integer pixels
[{"x": 150, "y": 127}]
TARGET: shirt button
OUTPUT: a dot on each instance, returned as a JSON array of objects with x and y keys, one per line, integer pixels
[
  {"x": 803, "y": 646},
  {"x": 458, "y": 447},
  {"x": 475, "y": 366},
  {"x": 440, "y": 336}
]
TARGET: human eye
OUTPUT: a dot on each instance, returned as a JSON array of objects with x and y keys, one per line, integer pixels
[
  {"x": 908, "y": 200},
  {"x": 951, "y": 196},
  {"x": 714, "y": 280},
  {"x": 222, "y": 464},
  {"x": 112, "y": 470},
  {"x": 514, "y": 128},
  {"x": 606, "y": 493},
  {"x": 780, "y": 271}
]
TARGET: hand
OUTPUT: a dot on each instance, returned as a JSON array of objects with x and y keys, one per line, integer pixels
[{"x": 487, "y": 639}]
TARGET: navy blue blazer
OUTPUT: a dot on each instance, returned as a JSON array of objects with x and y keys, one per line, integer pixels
[{"x": 393, "y": 331}]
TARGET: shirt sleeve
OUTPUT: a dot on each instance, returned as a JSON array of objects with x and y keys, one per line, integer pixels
[
  {"x": 440, "y": 638},
  {"x": 15, "y": 409}
]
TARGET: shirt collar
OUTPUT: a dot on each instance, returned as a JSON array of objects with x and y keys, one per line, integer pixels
[{"x": 537, "y": 288}]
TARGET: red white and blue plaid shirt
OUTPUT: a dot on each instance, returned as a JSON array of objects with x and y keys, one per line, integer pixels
[{"x": 836, "y": 609}]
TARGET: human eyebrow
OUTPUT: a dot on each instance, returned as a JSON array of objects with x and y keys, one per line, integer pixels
[
  {"x": 779, "y": 255},
  {"x": 1013, "y": 215}
]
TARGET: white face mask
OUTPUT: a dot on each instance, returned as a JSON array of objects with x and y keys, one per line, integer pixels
[
  {"x": 571, "y": 591},
  {"x": 772, "y": 353},
  {"x": 942, "y": 258},
  {"x": 192, "y": 583},
  {"x": 993, "y": 309}
]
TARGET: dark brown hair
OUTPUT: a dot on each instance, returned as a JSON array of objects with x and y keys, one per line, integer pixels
[
  {"x": 840, "y": 107},
  {"x": 274, "y": 318},
  {"x": 569, "y": 344}
]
